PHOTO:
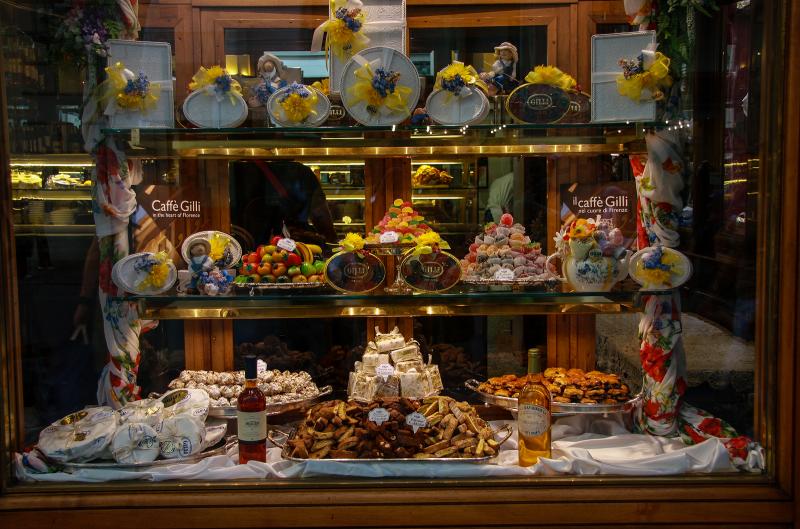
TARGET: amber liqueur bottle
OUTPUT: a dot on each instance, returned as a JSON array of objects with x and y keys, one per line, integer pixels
[
  {"x": 533, "y": 419},
  {"x": 251, "y": 416}
]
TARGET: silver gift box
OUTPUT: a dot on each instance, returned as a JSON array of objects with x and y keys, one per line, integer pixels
[{"x": 607, "y": 103}]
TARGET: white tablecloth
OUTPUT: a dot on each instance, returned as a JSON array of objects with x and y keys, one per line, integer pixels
[{"x": 582, "y": 445}]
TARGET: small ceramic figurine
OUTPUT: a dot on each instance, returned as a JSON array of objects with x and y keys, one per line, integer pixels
[
  {"x": 270, "y": 71},
  {"x": 200, "y": 263},
  {"x": 503, "y": 77}
]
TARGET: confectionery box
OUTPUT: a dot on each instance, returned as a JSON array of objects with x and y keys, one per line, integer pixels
[
  {"x": 155, "y": 60},
  {"x": 608, "y": 105},
  {"x": 385, "y": 26}
]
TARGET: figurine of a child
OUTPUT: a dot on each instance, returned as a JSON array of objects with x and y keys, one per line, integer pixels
[
  {"x": 199, "y": 262},
  {"x": 270, "y": 71},
  {"x": 503, "y": 77}
]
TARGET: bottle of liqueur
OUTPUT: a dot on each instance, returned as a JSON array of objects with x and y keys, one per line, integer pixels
[
  {"x": 251, "y": 416},
  {"x": 533, "y": 419}
]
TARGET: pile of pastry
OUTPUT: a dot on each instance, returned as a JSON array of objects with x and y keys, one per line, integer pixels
[
  {"x": 405, "y": 375},
  {"x": 565, "y": 385},
  {"x": 427, "y": 175},
  {"x": 346, "y": 430},
  {"x": 223, "y": 388}
]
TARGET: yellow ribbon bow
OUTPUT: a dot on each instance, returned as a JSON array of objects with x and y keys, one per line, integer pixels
[
  {"x": 298, "y": 103},
  {"x": 345, "y": 35},
  {"x": 363, "y": 90},
  {"x": 158, "y": 274},
  {"x": 128, "y": 91},
  {"x": 654, "y": 78},
  {"x": 216, "y": 81},
  {"x": 448, "y": 79},
  {"x": 323, "y": 86},
  {"x": 218, "y": 244},
  {"x": 550, "y": 75}
]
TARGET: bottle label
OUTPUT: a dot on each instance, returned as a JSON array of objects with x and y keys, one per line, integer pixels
[
  {"x": 252, "y": 426},
  {"x": 533, "y": 420}
]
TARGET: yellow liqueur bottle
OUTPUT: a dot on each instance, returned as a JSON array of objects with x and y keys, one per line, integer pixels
[{"x": 533, "y": 419}]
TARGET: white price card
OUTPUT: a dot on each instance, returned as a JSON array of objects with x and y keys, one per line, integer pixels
[
  {"x": 287, "y": 244},
  {"x": 504, "y": 274},
  {"x": 416, "y": 420},
  {"x": 378, "y": 415},
  {"x": 389, "y": 237},
  {"x": 384, "y": 371}
]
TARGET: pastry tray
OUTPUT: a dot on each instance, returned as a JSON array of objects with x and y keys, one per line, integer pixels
[
  {"x": 557, "y": 408},
  {"x": 220, "y": 448},
  {"x": 229, "y": 412},
  {"x": 285, "y": 452},
  {"x": 548, "y": 280}
]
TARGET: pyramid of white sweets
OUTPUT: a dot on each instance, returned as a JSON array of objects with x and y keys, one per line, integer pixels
[{"x": 393, "y": 367}]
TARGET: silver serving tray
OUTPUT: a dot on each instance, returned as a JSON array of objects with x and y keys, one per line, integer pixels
[
  {"x": 557, "y": 408},
  {"x": 229, "y": 412},
  {"x": 253, "y": 288},
  {"x": 219, "y": 448},
  {"x": 285, "y": 454}
]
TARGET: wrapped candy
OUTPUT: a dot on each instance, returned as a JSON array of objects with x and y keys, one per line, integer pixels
[
  {"x": 181, "y": 436},
  {"x": 80, "y": 436},
  {"x": 148, "y": 411},
  {"x": 135, "y": 443},
  {"x": 191, "y": 402}
]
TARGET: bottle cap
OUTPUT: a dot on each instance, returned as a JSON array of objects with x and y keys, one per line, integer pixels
[{"x": 250, "y": 367}]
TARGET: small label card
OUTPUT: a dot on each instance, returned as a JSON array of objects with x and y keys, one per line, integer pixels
[
  {"x": 416, "y": 420},
  {"x": 287, "y": 244},
  {"x": 384, "y": 371},
  {"x": 504, "y": 274},
  {"x": 378, "y": 415},
  {"x": 389, "y": 237}
]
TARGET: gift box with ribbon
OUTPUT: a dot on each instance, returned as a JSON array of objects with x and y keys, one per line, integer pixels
[
  {"x": 144, "y": 64},
  {"x": 610, "y": 103},
  {"x": 354, "y": 25}
]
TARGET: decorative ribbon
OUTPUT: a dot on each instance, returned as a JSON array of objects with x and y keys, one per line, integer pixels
[
  {"x": 217, "y": 82},
  {"x": 298, "y": 103},
  {"x": 644, "y": 78},
  {"x": 657, "y": 267},
  {"x": 378, "y": 89},
  {"x": 550, "y": 75},
  {"x": 127, "y": 91},
  {"x": 157, "y": 268},
  {"x": 458, "y": 80},
  {"x": 323, "y": 86},
  {"x": 344, "y": 29}
]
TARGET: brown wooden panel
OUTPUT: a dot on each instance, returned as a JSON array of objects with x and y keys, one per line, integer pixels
[{"x": 179, "y": 18}]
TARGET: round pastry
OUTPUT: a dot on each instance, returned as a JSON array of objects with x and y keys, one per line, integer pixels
[
  {"x": 148, "y": 411},
  {"x": 191, "y": 402},
  {"x": 181, "y": 436}
]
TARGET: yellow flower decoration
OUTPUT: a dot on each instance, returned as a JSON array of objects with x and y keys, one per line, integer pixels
[
  {"x": 159, "y": 273},
  {"x": 299, "y": 102},
  {"x": 218, "y": 244},
  {"x": 455, "y": 77},
  {"x": 427, "y": 241},
  {"x": 636, "y": 78},
  {"x": 216, "y": 81},
  {"x": 550, "y": 75},
  {"x": 345, "y": 35},
  {"x": 323, "y": 86},
  {"x": 130, "y": 92},
  {"x": 581, "y": 229},
  {"x": 352, "y": 242},
  {"x": 363, "y": 90}
]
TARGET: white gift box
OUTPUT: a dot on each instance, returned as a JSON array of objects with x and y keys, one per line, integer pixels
[
  {"x": 155, "y": 60},
  {"x": 384, "y": 25},
  {"x": 608, "y": 105}
]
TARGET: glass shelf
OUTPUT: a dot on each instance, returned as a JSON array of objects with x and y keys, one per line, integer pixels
[
  {"x": 364, "y": 142},
  {"x": 327, "y": 304},
  {"x": 52, "y": 194},
  {"x": 54, "y": 230}
]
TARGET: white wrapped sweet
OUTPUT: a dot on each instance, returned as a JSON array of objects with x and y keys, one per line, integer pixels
[
  {"x": 135, "y": 443},
  {"x": 369, "y": 362},
  {"x": 407, "y": 352},
  {"x": 406, "y": 366},
  {"x": 80, "y": 436},
  {"x": 148, "y": 411},
  {"x": 364, "y": 387},
  {"x": 191, "y": 402},
  {"x": 181, "y": 436},
  {"x": 434, "y": 377},
  {"x": 389, "y": 341},
  {"x": 414, "y": 385}
]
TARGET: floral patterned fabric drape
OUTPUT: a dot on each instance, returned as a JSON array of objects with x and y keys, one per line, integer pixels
[{"x": 659, "y": 181}]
